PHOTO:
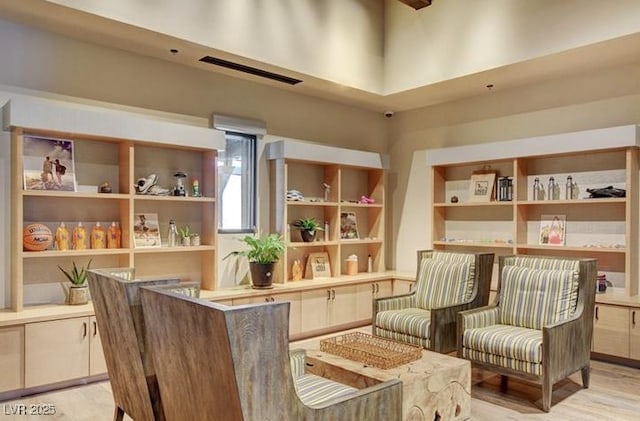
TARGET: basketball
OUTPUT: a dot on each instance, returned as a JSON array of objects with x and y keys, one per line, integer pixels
[{"x": 36, "y": 237}]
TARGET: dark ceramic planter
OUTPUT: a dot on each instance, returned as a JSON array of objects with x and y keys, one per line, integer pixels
[
  {"x": 261, "y": 275},
  {"x": 307, "y": 236}
]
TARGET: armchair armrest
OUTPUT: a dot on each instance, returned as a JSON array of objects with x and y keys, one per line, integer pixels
[
  {"x": 443, "y": 322},
  {"x": 566, "y": 347},
  {"x": 396, "y": 302},
  {"x": 297, "y": 358},
  {"x": 478, "y": 317}
]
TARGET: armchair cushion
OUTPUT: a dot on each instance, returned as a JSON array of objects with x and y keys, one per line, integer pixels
[
  {"x": 409, "y": 321},
  {"x": 511, "y": 342},
  {"x": 533, "y": 298},
  {"x": 314, "y": 390},
  {"x": 449, "y": 281}
]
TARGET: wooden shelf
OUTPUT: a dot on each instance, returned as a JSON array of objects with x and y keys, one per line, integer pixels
[
  {"x": 353, "y": 175},
  {"x": 593, "y": 159},
  {"x": 73, "y": 253}
]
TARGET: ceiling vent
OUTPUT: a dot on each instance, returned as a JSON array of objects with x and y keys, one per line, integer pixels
[
  {"x": 417, "y": 4},
  {"x": 250, "y": 70}
]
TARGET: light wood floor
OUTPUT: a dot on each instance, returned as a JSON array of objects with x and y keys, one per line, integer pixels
[{"x": 614, "y": 394}]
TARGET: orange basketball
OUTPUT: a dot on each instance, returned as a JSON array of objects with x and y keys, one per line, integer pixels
[{"x": 36, "y": 237}]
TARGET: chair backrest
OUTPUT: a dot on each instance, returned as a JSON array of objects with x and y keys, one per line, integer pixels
[
  {"x": 233, "y": 363},
  {"x": 116, "y": 302},
  {"x": 208, "y": 356},
  {"x": 535, "y": 291},
  {"x": 448, "y": 278}
]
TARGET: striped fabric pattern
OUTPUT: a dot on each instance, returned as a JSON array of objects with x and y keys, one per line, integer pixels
[
  {"x": 313, "y": 390},
  {"x": 443, "y": 283},
  {"x": 500, "y": 361},
  {"x": 460, "y": 258},
  {"x": 480, "y": 319},
  {"x": 534, "y": 262},
  {"x": 408, "y": 321},
  {"x": 534, "y": 298},
  {"x": 403, "y": 337},
  {"x": 396, "y": 303},
  {"x": 297, "y": 361},
  {"x": 512, "y": 342}
]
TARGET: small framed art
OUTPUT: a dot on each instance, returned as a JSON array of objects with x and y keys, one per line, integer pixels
[
  {"x": 552, "y": 230},
  {"x": 481, "y": 187},
  {"x": 48, "y": 164},
  {"x": 348, "y": 226},
  {"x": 318, "y": 266},
  {"x": 146, "y": 232}
]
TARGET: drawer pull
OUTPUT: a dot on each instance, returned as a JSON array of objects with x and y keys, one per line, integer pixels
[
  {"x": 597, "y": 312},
  {"x": 95, "y": 329},
  {"x": 84, "y": 329},
  {"x": 633, "y": 318}
]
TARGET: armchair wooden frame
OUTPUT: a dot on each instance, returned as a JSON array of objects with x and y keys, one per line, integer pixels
[
  {"x": 566, "y": 345},
  {"x": 233, "y": 363},
  {"x": 442, "y": 329},
  {"x": 116, "y": 302}
]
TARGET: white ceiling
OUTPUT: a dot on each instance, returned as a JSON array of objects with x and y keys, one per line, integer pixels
[{"x": 91, "y": 28}]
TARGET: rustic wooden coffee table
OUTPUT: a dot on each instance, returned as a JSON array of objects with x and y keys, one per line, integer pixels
[{"x": 434, "y": 387}]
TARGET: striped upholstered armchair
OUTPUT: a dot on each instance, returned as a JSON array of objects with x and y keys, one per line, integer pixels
[
  {"x": 446, "y": 283},
  {"x": 541, "y": 325}
]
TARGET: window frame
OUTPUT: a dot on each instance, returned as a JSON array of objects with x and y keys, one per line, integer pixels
[{"x": 251, "y": 214}]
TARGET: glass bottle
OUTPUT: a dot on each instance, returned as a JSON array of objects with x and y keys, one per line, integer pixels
[
  {"x": 172, "y": 236},
  {"x": 536, "y": 189},
  {"x": 552, "y": 188},
  {"x": 113, "y": 236},
  {"x": 569, "y": 188}
]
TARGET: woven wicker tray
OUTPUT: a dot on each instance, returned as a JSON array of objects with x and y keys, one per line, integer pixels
[{"x": 371, "y": 350}]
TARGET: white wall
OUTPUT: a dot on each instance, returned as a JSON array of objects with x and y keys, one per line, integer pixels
[
  {"x": 336, "y": 40},
  {"x": 454, "y": 38}
]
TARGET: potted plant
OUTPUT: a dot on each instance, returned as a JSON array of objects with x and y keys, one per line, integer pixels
[
  {"x": 185, "y": 235},
  {"x": 78, "y": 292},
  {"x": 263, "y": 253},
  {"x": 308, "y": 228}
]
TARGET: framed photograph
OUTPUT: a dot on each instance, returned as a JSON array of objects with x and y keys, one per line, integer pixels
[
  {"x": 481, "y": 187},
  {"x": 47, "y": 164},
  {"x": 348, "y": 226},
  {"x": 318, "y": 266},
  {"x": 146, "y": 231},
  {"x": 553, "y": 230}
]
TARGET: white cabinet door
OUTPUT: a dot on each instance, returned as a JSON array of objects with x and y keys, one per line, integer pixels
[
  {"x": 611, "y": 330},
  {"x": 11, "y": 358},
  {"x": 56, "y": 351},
  {"x": 97, "y": 363}
]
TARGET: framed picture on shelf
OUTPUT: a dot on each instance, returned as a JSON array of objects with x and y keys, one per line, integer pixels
[
  {"x": 48, "y": 164},
  {"x": 552, "y": 230},
  {"x": 146, "y": 231},
  {"x": 318, "y": 266},
  {"x": 481, "y": 187},
  {"x": 348, "y": 226}
]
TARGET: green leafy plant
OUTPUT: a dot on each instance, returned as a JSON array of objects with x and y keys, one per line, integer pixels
[
  {"x": 308, "y": 224},
  {"x": 263, "y": 250},
  {"x": 185, "y": 232},
  {"x": 77, "y": 277}
]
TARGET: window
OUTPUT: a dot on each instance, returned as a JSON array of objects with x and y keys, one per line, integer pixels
[{"x": 237, "y": 184}]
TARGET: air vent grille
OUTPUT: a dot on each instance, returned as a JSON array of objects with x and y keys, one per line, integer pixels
[{"x": 250, "y": 70}]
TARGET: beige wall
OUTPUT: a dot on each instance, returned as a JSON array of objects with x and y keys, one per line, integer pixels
[
  {"x": 593, "y": 100},
  {"x": 44, "y": 64},
  {"x": 336, "y": 40},
  {"x": 454, "y": 38}
]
